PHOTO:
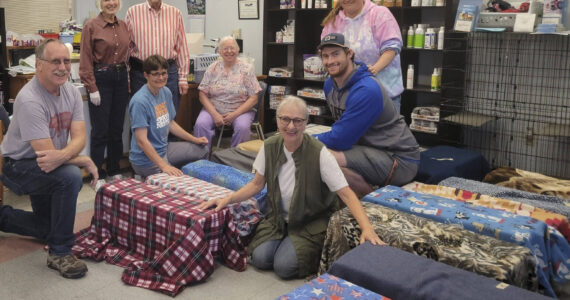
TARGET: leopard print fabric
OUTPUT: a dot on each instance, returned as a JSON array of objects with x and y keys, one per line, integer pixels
[{"x": 449, "y": 244}]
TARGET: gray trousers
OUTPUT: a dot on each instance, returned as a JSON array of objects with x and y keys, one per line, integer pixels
[{"x": 178, "y": 154}]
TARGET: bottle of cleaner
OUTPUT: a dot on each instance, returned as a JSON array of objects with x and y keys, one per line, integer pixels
[
  {"x": 419, "y": 37},
  {"x": 410, "y": 39},
  {"x": 429, "y": 39},
  {"x": 440, "y": 35},
  {"x": 410, "y": 77},
  {"x": 434, "y": 80}
]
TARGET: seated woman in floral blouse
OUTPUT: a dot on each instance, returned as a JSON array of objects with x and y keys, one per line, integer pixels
[{"x": 228, "y": 93}]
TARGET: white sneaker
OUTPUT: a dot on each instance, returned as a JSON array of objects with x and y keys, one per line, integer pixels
[
  {"x": 117, "y": 177},
  {"x": 138, "y": 177},
  {"x": 99, "y": 184}
]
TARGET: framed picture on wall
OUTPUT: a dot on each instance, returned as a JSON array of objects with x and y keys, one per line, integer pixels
[{"x": 248, "y": 9}]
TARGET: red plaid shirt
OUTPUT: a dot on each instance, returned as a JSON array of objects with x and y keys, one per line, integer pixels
[{"x": 159, "y": 236}]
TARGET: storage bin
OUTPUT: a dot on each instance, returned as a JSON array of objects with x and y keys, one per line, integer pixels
[
  {"x": 50, "y": 35},
  {"x": 66, "y": 37}
]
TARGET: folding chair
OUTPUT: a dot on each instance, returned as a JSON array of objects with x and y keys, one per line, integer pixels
[{"x": 255, "y": 123}]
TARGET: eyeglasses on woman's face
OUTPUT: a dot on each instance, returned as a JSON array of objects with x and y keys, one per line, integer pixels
[
  {"x": 159, "y": 74},
  {"x": 286, "y": 120}
]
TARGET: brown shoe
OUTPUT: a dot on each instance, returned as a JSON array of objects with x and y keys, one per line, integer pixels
[{"x": 68, "y": 266}]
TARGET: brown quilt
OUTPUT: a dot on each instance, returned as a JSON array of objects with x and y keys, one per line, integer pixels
[{"x": 529, "y": 181}]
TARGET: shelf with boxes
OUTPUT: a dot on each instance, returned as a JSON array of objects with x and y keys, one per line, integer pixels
[
  {"x": 291, "y": 34},
  {"x": 427, "y": 52}
]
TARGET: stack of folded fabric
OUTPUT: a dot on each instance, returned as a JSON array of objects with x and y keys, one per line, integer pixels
[
  {"x": 328, "y": 286},
  {"x": 246, "y": 214},
  {"x": 547, "y": 244},
  {"x": 555, "y": 220},
  {"x": 224, "y": 176},
  {"x": 400, "y": 275},
  {"x": 446, "y": 243}
]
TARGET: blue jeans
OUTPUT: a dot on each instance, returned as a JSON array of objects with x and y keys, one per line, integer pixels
[
  {"x": 53, "y": 197},
  {"x": 138, "y": 80},
  {"x": 107, "y": 120},
  {"x": 278, "y": 255}
]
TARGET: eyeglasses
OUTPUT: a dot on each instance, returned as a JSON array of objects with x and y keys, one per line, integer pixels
[
  {"x": 57, "y": 62},
  {"x": 157, "y": 74},
  {"x": 228, "y": 49},
  {"x": 286, "y": 120}
]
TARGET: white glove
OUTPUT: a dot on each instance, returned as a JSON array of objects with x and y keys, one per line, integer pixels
[{"x": 95, "y": 98}]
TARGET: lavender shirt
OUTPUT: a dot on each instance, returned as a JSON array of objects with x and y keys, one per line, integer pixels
[{"x": 370, "y": 33}]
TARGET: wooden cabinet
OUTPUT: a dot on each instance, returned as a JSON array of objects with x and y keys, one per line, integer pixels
[{"x": 17, "y": 83}]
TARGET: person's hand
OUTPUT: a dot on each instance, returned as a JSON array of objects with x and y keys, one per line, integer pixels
[
  {"x": 49, "y": 160},
  {"x": 171, "y": 171},
  {"x": 229, "y": 118},
  {"x": 201, "y": 140},
  {"x": 220, "y": 203},
  {"x": 373, "y": 69},
  {"x": 371, "y": 236},
  {"x": 183, "y": 87},
  {"x": 95, "y": 98},
  {"x": 90, "y": 167},
  {"x": 218, "y": 119}
]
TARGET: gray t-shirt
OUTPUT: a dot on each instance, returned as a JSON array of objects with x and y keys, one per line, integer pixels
[{"x": 40, "y": 115}]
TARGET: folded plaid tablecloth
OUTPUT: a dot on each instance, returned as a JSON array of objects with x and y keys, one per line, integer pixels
[
  {"x": 159, "y": 236},
  {"x": 246, "y": 214}
]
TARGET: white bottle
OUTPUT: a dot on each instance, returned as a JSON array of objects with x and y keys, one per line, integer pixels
[
  {"x": 440, "y": 37},
  {"x": 416, "y": 3},
  {"x": 419, "y": 37},
  {"x": 429, "y": 40},
  {"x": 410, "y": 77}
]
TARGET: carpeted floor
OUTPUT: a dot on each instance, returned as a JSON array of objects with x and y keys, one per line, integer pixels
[{"x": 24, "y": 274}]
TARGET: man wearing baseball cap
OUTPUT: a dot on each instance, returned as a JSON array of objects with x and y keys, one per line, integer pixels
[{"x": 369, "y": 139}]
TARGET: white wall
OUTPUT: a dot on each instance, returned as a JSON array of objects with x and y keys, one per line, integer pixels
[{"x": 221, "y": 19}]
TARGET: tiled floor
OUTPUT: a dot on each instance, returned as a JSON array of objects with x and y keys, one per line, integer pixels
[{"x": 24, "y": 275}]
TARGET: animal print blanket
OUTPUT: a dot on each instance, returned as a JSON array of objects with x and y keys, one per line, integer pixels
[
  {"x": 446, "y": 243},
  {"x": 529, "y": 181}
]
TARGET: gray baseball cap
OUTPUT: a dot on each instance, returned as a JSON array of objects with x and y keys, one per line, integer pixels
[{"x": 333, "y": 39}]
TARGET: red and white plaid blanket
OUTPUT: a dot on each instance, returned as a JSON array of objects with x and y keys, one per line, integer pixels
[{"x": 159, "y": 236}]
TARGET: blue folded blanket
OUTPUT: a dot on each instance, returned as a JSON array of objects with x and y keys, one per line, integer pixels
[
  {"x": 401, "y": 275},
  {"x": 223, "y": 175}
]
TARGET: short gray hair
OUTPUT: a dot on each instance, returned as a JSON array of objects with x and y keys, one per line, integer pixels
[
  {"x": 41, "y": 49},
  {"x": 296, "y": 101},
  {"x": 228, "y": 38},
  {"x": 98, "y": 4}
]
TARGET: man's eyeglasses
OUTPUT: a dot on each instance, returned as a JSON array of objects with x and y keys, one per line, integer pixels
[
  {"x": 159, "y": 74},
  {"x": 286, "y": 120},
  {"x": 57, "y": 62}
]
